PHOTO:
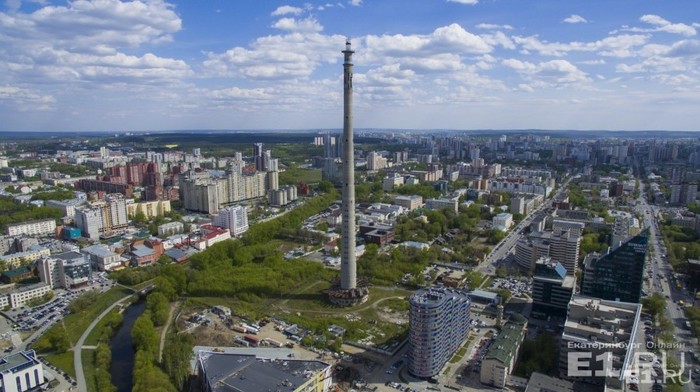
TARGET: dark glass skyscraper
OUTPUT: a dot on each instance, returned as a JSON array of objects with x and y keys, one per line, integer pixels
[{"x": 617, "y": 275}]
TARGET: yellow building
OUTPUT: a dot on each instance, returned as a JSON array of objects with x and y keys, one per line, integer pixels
[{"x": 150, "y": 209}]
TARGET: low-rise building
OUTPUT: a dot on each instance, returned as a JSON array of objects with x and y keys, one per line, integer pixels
[
  {"x": 103, "y": 258},
  {"x": 20, "y": 372},
  {"x": 503, "y": 221},
  {"x": 500, "y": 358},
  {"x": 409, "y": 202},
  {"x": 145, "y": 252},
  {"x": 223, "y": 372},
  {"x": 20, "y": 297},
  {"x": 439, "y": 204},
  {"x": 170, "y": 228},
  {"x": 150, "y": 209},
  {"x": 32, "y": 228},
  {"x": 14, "y": 260},
  {"x": 210, "y": 236}
]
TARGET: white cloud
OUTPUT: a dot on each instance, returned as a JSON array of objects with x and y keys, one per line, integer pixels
[
  {"x": 489, "y": 26},
  {"x": 614, "y": 46},
  {"x": 84, "y": 40},
  {"x": 305, "y": 25},
  {"x": 23, "y": 96},
  {"x": 662, "y": 24},
  {"x": 355, "y": 3},
  {"x": 551, "y": 73},
  {"x": 573, "y": 18},
  {"x": 286, "y": 10},
  {"x": 467, "y": 2}
]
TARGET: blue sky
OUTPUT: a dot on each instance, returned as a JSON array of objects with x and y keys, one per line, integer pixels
[{"x": 429, "y": 64}]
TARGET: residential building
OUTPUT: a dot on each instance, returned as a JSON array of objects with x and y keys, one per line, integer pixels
[
  {"x": 14, "y": 260},
  {"x": 375, "y": 161},
  {"x": 564, "y": 247},
  {"x": 102, "y": 217},
  {"x": 617, "y": 275},
  {"x": 170, "y": 228},
  {"x": 102, "y": 258},
  {"x": 150, "y": 209},
  {"x": 503, "y": 221},
  {"x": 32, "y": 228},
  {"x": 66, "y": 206},
  {"x": 391, "y": 181},
  {"x": 223, "y": 372},
  {"x": 283, "y": 196},
  {"x": 210, "y": 236},
  {"x": 499, "y": 360},
  {"x": 233, "y": 218},
  {"x": 530, "y": 249},
  {"x": 552, "y": 289},
  {"x": 439, "y": 320},
  {"x": 17, "y": 274},
  {"x": 539, "y": 382},
  {"x": 599, "y": 333},
  {"x": 20, "y": 372}
]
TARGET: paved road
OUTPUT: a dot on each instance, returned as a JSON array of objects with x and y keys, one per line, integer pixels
[{"x": 78, "y": 349}]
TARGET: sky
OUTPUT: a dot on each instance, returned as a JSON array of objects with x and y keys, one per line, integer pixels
[{"x": 109, "y": 65}]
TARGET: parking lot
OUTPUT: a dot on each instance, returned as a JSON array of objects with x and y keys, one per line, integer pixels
[{"x": 515, "y": 286}]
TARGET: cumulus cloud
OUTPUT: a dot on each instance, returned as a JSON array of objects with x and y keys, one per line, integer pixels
[
  {"x": 446, "y": 39},
  {"x": 286, "y": 10},
  {"x": 554, "y": 72},
  {"x": 467, "y": 2},
  {"x": 662, "y": 24},
  {"x": 489, "y": 26},
  {"x": 573, "y": 18},
  {"x": 613, "y": 46},
  {"x": 355, "y": 3},
  {"x": 305, "y": 25},
  {"x": 83, "y": 40}
]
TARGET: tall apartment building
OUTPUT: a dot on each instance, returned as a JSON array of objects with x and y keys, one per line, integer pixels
[
  {"x": 439, "y": 323},
  {"x": 598, "y": 329},
  {"x": 530, "y": 249},
  {"x": 375, "y": 161},
  {"x": 32, "y": 228},
  {"x": 102, "y": 217},
  {"x": 200, "y": 192},
  {"x": 499, "y": 360},
  {"x": 565, "y": 247},
  {"x": 233, "y": 218},
  {"x": 552, "y": 289},
  {"x": 617, "y": 275}
]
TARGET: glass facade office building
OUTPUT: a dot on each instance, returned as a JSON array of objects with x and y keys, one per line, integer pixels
[
  {"x": 617, "y": 275},
  {"x": 439, "y": 324}
]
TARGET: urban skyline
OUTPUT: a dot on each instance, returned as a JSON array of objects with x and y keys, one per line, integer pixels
[{"x": 113, "y": 66}]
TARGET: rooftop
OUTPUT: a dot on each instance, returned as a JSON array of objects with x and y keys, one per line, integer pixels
[
  {"x": 508, "y": 341},
  {"x": 246, "y": 372},
  {"x": 20, "y": 359}
]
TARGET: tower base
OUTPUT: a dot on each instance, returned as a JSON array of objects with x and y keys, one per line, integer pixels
[{"x": 348, "y": 297}]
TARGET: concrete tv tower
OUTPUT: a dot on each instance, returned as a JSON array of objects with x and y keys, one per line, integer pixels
[
  {"x": 348, "y": 293},
  {"x": 348, "y": 265}
]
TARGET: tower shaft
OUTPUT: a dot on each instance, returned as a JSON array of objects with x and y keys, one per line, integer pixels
[{"x": 348, "y": 265}]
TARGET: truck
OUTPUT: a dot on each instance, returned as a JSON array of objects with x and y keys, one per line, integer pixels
[
  {"x": 273, "y": 342},
  {"x": 250, "y": 329},
  {"x": 252, "y": 340}
]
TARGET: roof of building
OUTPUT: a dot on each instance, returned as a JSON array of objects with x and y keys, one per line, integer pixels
[
  {"x": 541, "y": 383},
  {"x": 484, "y": 294},
  {"x": 99, "y": 250},
  {"x": 68, "y": 256},
  {"x": 17, "y": 271},
  {"x": 508, "y": 340},
  {"x": 142, "y": 251},
  {"x": 176, "y": 253},
  {"x": 241, "y": 373},
  {"x": 30, "y": 222},
  {"x": 16, "y": 360}
]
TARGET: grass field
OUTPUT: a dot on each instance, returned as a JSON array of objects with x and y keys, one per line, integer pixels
[
  {"x": 293, "y": 175},
  {"x": 63, "y": 361},
  {"x": 308, "y": 306}
]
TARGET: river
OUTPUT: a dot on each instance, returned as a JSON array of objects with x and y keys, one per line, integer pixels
[{"x": 122, "y": 368}]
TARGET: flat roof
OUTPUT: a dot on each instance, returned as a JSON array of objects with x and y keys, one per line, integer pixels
[
  {"x": 15, "y": 360},
  {"x": 228, "y": 372},
  {"x": 542, "y": 383},
  {"x": 484, "y": 294}
]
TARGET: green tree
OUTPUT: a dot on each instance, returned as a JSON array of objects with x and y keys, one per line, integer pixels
[
  {"x": 176, "y": 358},
  {"x": 144, "y": 335},
  {"x": 58, "y": 339},
  {"x": 157, "y": 304}
]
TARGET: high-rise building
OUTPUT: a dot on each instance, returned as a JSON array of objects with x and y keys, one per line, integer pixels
[
  {"x": 617, "y": 275},
  {"x": 258, "y": 156},
  {"x": 233, "y": 218},
  {"x": 439, "y": 323},
  {"x": 552, "y": 289},
  {"x": 564, "y": 247},
  {"x": 599, "y": 335}
]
